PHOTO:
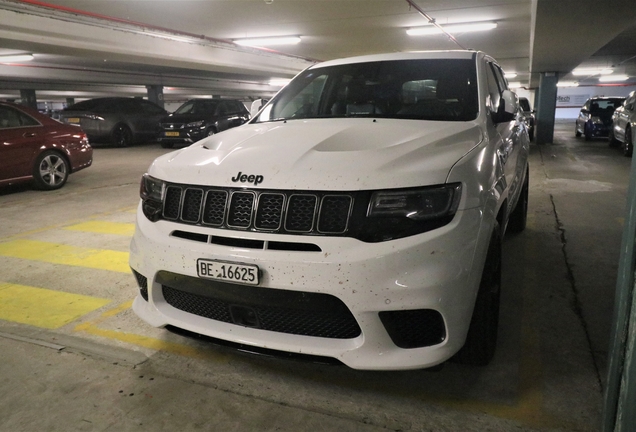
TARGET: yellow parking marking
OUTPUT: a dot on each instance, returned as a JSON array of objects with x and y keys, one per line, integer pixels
[
  {"x": 67, "y": 255},
  {"x": 44, "y": 308},
  {"x": 103, "y": 227},
  {"x": 92, "y": 328}
]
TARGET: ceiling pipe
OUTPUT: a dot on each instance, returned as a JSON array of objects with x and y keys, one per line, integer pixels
[{"x": 431, "y": 20}]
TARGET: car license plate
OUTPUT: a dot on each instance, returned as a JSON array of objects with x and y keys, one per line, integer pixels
[
  {"x": 73, "y": 120},
  {"x": 172, "y": 134},
  {"x": 227, "y": 271}
]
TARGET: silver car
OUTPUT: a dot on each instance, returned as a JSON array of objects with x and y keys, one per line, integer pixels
[{"x": 623, "y": 122}]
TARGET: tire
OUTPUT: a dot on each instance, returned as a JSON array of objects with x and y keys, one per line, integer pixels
[
  {"x": 519, "y": 216},
  {"x": 587, "y": 133},
  {"x": 211, "y": 132},
  {"x": 167, "y": 144},
  {"x": 531, "y": 134},
  {"x": 51, "y": 170},
  {"x": 121, "y": 135},
  {"x": 481, "y": 340},
  {"x": 576, "y": 130},
  {"x": 628, "y": 146}
]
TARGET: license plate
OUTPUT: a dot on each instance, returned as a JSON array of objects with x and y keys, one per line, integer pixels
[
  {"x": 73, "y": 120},
  {"x": 227, "y": 271},
  {"x": 172, "y": 134}
]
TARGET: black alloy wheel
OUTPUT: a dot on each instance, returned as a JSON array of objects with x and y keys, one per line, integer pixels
[{"x": 122, "y": 136}]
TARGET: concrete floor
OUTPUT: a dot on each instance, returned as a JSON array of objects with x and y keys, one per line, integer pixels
[{"x": 73, "y": 356}]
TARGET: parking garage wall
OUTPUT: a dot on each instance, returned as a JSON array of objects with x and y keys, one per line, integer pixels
[{"x": 570, "y": 99}]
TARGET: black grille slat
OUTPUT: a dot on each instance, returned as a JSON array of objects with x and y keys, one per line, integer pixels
[
  {"x": 240, "y": 212},
  {"x": 191, "y": 208},
  {"x": 172, "y": 203},
  {"x": 214, "y": 210},
  {"x": 270, "y": 211},
  {"x": 334, "y": 214},
  {"x": 301, "y": 212},
  {"x": 285, "y": 212}
]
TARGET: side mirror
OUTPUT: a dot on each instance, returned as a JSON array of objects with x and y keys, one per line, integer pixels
[{"x": 508, "y": 107}]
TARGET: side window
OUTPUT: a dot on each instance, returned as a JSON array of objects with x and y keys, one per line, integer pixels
[
  {"x": 302, "y": 104},
  {"x": 150, "y": 108},
  {"x": 501, "y": 80},
  {"x": 223, "y": 109},
  {"x": 12, "y": 118},
  {"x": 494, "y": 94}
]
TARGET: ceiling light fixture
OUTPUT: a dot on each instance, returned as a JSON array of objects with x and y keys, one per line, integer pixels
[
  {"x": 588, "y": 72},
  {"x": 515, "y": 84},
  {"x": 268, "y": 41},
  {"x": 568, "y": 84},
  {"x": 451, "y": 28},
  {"x": 611, "y": 78},
  {"x": 16, "y": 58},
  {"x": 279, "y": 82},
  {"x": 510, "y": 74}
]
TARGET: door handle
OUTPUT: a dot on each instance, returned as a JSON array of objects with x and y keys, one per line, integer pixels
[{"x": 28, "y": 134}]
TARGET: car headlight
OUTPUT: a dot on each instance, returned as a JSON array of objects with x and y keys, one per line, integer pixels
[
  {"x": 151, "y": 192},
  {"x": 393, "y": 214},
  {"x": 196, "y": 124}
]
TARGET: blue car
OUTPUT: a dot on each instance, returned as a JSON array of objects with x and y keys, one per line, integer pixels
[{"x": 595, "y": 118}]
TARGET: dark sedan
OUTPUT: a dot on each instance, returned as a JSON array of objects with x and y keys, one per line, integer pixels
[
  {"x": 119, "y": 120},
  {"x": 199, "y": 118},
  {"x": 39, "y": 149},
  {"x": 595, "y": 117}
]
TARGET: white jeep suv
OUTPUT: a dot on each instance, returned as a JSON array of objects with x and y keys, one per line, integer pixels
[{"x": 358, "y": 216}]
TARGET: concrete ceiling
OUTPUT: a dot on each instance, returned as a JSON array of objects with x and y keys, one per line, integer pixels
[{"x": 87, "y": 48}]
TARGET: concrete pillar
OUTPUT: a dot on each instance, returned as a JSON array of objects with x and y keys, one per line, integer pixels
[
  {"x": 546, "y": 108},
  {"x": 70, "y": 101},
  {"x": 28, "y": 98},
  {"x": 155, "y": 94}
]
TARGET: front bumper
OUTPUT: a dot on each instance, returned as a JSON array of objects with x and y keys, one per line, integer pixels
[{"x": 438, "y": 270}]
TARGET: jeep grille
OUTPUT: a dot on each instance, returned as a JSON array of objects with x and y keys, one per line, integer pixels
[{"x": 290, "y": 212}]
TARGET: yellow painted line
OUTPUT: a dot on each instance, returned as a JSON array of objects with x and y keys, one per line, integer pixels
[
  {"x": 103, "y": 227},
  {"x": 67, "y": 255},
  {"x": 58, "y": 226},
  {"x": 143, "y": 341},
  {"x": 44, "y": 308}
]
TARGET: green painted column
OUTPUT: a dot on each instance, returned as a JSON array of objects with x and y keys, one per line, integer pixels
[
  {"x": 546, "y": 108},
  {"x": 155, "y": 94},
  {"x": 619, "y": 411}
]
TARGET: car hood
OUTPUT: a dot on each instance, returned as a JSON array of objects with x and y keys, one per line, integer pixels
[{"x": 319, "y": 154}]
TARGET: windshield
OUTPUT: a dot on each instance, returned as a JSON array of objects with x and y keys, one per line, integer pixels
[
  {"x": 433, "y": 89},
  {"x": 605, "y": 106}
]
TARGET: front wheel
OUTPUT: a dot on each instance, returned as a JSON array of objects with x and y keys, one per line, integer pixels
[
  {"x": 481, "y": 340},
  {"x": 50, "y": 171},
  {"x": 628, "y": 147},
  {"x": 121, "y": 135}
]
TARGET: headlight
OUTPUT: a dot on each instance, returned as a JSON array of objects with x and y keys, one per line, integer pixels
[
  {"x": 419, "y": 204},
  {"x": 196, "y": 124},
  {"x": 393, "y": 214},
  {"x": 151, "y": 192}
]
